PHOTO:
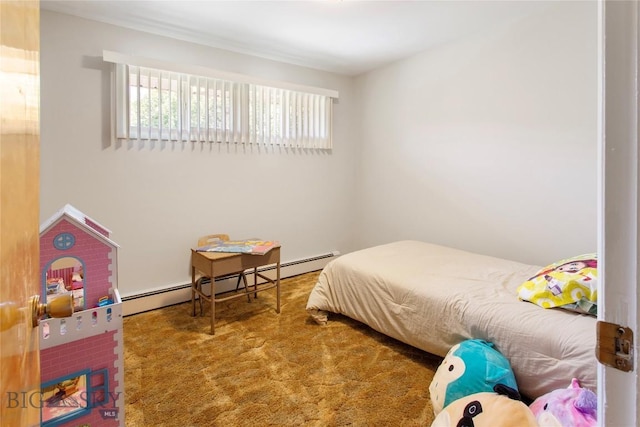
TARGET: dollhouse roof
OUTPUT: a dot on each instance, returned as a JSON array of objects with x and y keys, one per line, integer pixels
[{"x": 79, "y": 219}]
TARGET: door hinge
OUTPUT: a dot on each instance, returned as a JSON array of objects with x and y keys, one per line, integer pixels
[{"x": 614, "y": 346}]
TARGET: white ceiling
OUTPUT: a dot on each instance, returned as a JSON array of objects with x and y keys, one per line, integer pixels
[{"x": 347, "y": 37}]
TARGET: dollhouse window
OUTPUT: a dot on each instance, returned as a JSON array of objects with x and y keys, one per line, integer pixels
[
  {"x": 65, "y": 399},
  {"x": 65, "y": 275},
  {"x": 64, "y": 241},
  {"x": 72, "y": 396}
]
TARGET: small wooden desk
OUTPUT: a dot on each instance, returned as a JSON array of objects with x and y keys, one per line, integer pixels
[{"x": 216, "y": 264}]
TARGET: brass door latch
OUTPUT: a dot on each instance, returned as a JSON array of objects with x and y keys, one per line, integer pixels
[
  {"x": 12, "y": 314},
  {"x": 59, "y": 307},
  {"x": 614, "y": 346}
]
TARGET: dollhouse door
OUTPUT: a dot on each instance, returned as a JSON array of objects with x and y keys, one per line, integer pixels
[{"x": 19, "y": 211}]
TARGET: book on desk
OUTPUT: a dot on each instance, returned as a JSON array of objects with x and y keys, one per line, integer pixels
[{"x": 245, "y": 246}]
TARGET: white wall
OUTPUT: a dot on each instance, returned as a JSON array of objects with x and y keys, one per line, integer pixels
[
  {"x": 486, "y": 144},
  {"x": 489, "y": 143},
  {"x": 157, "y": 199}
]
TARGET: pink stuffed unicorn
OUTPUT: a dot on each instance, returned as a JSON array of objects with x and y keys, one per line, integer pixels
[{"x": 573, "y": 406}]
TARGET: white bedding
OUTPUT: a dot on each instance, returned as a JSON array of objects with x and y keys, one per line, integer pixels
[{"x": 433, "y": 297}]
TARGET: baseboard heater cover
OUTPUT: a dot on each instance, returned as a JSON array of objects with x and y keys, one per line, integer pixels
[{"x": 146, "y": 301}]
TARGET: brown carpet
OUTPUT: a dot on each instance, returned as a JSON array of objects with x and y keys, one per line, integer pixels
[{"x": 264, "y": 368}]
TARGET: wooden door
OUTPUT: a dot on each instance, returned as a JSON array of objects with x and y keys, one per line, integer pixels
[{"x": 19, "y": 210}]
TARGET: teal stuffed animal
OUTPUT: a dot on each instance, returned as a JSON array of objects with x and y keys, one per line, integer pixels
[{"x": 473, "y": 366}]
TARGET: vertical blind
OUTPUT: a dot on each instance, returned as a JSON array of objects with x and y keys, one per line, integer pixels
[{"x": 159, "y": 105}]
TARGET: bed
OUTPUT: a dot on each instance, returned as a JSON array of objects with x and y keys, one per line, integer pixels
[{"x": 432, "y": 297}]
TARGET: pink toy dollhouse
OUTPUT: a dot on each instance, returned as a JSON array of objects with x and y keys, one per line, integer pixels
[{"x": 81, "y": 360}]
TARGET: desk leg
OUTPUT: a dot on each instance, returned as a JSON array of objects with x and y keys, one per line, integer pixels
[
  {"x": 213, "y": 304},
  {"x": 255, "y": 281},
  {"x": 193, "y": 291},
  {"x": 246, "y": 288},
  {"x": 278, "y": 287}
]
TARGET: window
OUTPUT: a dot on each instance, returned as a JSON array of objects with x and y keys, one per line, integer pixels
[
  {"x": 64, "y": 241},
  {"x": 65, "y": 398},
  {"x": 155, "y": 103},
  {"x": 63, "y": 276},
  {"x": 72, "y": 396}
]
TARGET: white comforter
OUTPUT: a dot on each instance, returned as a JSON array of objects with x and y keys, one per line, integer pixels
[{"x": 433, "y": 297}]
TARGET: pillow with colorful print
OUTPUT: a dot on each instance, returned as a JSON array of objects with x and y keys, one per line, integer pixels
[{"x": 571, "y": 284}]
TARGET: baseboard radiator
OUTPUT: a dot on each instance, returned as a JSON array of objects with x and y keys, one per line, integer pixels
[{"x": 138, "y": 303}]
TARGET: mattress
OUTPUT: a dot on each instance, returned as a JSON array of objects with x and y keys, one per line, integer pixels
[{"x": 432, "y": 297}]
